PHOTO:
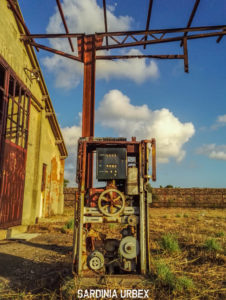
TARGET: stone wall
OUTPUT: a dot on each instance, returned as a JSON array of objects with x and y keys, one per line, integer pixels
[
  {"x": 189, "y": 197},
  {"x": 173, "y": 197},
  {"x": 69, "y": 196}
]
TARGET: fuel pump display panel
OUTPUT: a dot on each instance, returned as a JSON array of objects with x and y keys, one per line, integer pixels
[
  {"x": 111, "y": 163},
  {"x": 111, "y": 233}
]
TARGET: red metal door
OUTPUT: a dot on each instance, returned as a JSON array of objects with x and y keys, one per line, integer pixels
[
  {"x": 12, "y": 188},
  {"x": 14, "y": 119}
]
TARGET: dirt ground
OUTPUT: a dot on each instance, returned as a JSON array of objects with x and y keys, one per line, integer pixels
[
  {"x": 38, "y": 265},
  {"x": 36, "y": 269}
]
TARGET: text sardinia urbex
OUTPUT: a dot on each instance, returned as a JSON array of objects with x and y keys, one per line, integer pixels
[{"x": 101, "y": 293}]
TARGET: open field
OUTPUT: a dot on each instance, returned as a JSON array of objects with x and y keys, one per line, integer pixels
[{"x": 187, "y": 252}]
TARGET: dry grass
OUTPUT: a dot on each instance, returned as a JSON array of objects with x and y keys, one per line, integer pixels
[
  {"x": 197, "y": 271},
  {"x": 201, "y": 237}
]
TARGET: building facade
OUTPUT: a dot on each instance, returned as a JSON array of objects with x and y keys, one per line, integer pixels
[{"x": 32, "y": 150}]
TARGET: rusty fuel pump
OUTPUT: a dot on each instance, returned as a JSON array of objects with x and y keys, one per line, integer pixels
[{"x": 111, "y": 234}]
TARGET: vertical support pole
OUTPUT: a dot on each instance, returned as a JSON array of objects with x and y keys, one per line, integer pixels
[
  {"x": 142, "y": 233},
  {"x": 89, "y": 86},
  {"x": 88, "y": 112},
  {"x": 153, "y": 159},
  {"x": 185, "y": 55},
  {"x": 146, "y": 192},
  {"x": 80, "y": 239}
]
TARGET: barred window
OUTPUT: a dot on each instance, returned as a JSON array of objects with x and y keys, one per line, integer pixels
[{"x": 18, "y": 114}]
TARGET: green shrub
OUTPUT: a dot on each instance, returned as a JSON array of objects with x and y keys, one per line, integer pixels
[
  {"x": 185, "y": 215},
  {"x": 68, "y": 225},
  {"x": 68, "y": 288},
  {"x": 168, "y": 278},
  {"x": 212, "y": 245},
  {"x": 184, "y": 283},
  {"x": 169, "y": 243},
  {"x": 220, "y": 234},
  {"x": 178, "y": 215},
  {"x": 165, "y": 275}
]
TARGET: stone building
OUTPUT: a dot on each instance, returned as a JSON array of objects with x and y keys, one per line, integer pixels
[{"x": 32, "y": 150}]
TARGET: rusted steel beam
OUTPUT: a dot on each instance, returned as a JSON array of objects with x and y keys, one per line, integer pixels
[
  {"x": 19, "y": 17},
  {"x": 169, "y": 56},
  {"x": 220, "y": 38},
  {"x": 88, "y": 111},
  {"x": 164, "y": 30},
  {"x": 54, "y": 51},
  {"x": 122, "y": 33},
  {"x": 105, "y": 20},
  {"x": 148, "y": 18},
  {"x": 185, "y": 54},
  {"x": 191, "y": 17},
  {"x": 159, "y": 41},
  {"x": 51, "y": 35},
  {"x": 65, "y": 23},
  {"x": 88, "y": 87},
  {"x": 153, "y": 143}
]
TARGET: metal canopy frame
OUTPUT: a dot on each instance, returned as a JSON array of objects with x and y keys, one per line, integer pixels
[
  {"x": 137, "y": 38},
  {"x": 89, "y": 45},
  {"x": 127, "y": 38}
]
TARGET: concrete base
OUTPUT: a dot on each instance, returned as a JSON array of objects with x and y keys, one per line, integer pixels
[
  {"x": 12, "y": 231},
  {"x": 115, "y": 281},
  {"x": 3, "y": 234},
  {"x": 24, "y": 236},
  {"x": 16, "y": 230}
]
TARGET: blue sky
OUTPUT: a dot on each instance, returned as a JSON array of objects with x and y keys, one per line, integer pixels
[{"x": 192, "y": 147}]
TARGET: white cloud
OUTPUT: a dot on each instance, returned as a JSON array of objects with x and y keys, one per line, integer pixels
[
  {"x": 213, "y": 151},
  {"x": 222, "y": 119},
  {"x": 220, "y": 122},
  {"x": 138, "y": 70},
  {"x": 71, "y": 136},
  {"x": 116, "y": 112},
  {"x": 67, "y": 73},
  {"x": 86, "y": 16}
]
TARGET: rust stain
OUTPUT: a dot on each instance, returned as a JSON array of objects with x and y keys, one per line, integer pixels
[
  {"x": 54, "y": 169},
  {"x": 54, "y": 182}
]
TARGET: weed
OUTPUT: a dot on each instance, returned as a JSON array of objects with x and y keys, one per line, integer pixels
[
  {"x": 68, "y": 288},
  {"x": 220, "y": 234},
  {"x": 165, "y": 275},
  {"x": 178, "y": 215},
  {"x": 168, "y": 278},
  {"x": 68, "y": 225},
  {"x": 165, "y": 216},
  {"x": 185, "y": 215},
  {"x": 1, "y": 286},
  {"x": 212, "y": 245},
  {"x": 169, "y": 243},
  {"x": 184, "y": 283}
]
